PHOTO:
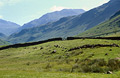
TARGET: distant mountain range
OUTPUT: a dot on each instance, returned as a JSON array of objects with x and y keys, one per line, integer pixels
[
  {"x": 111, "y": 26},
  {"x": 51, "y": 17},
  {"x": 7, "y": 27},
  {"x": 68, "y": 26}
]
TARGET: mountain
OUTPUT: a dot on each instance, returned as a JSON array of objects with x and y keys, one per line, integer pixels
[
  {"x": 109, "y": 28},
  {"x": 51, "y": 17},
  {"x": 68, "y": 26},
  {"x": 2, "y": 42},
  {"x": 7, "y": 27},
  {"x": 2, "y": 35},
  {"x": 116, "y": 14}
]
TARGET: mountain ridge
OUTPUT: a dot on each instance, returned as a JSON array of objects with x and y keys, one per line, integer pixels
[
  {"x": 9, "y": 26},
  {"x": 69, "y": 26},
  {"x": 51, "y": 17}
]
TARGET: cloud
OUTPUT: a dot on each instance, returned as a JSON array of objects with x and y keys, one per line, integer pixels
[
  {"x": 57, "y": 8},
  {"x": 1, "y": 16},
  {"x": 105, "y": 1},
  {"x": 95, "y": 6},
  {"x": 9, "y": 2},
  {"x": 86, "y": 8},
  {"x": 13, "y": 1},
  {"x": 1, "y": 3}
]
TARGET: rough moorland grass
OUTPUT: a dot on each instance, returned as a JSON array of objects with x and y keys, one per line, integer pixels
[
  {"x": 33, "y": 74},
  {"x": 114, "y": 35},
  {"x": 37, "y": 61}
]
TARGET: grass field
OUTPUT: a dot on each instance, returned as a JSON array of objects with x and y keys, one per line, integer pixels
[
  {"x": 53, "y": 60},
  {"x": 33, "y": 74}
]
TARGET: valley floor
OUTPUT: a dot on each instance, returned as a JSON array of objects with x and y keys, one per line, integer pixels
[
  {"x": 81, "y": 58},
  {"x": 33, "y": 74}
]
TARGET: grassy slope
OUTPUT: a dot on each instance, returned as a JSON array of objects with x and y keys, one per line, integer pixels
[
  {"x": 31, "y": 62},
  {"x": 114, "y": 34},
  {"x": 110, "y": 27}
]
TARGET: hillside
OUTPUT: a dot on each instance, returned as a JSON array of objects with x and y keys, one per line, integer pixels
[
  {"x": 117, "y": 34},
  {"x": 68, "y": 26},
  {"x": 9, "y": 26},
  {"x": 2, "y": 36},
  {"x": 109, "y": 28},
  {"x": 116, "y": 14},
  {"x": 51, "y": 17},
  {"x": 3, "y": 42},
  {"x": 62, "y": 59}
]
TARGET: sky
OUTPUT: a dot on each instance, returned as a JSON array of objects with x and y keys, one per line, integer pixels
[{"x": 23, "y": 11}]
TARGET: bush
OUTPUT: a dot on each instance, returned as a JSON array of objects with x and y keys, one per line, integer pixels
[
  {"x": 114, "y": 64},
  {"x": 96, "y": 65}
]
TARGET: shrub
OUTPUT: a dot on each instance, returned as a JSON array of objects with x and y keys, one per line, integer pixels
[
  {"x": 28, "y": 63},
  {"x": 96, "y": 65},
  {"x": 114, "y": 64}
]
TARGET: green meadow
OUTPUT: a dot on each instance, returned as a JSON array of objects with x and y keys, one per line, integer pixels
[{"x": 54, "y": 60}]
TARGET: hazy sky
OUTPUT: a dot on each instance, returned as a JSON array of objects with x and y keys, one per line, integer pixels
[{"x": 23, "y": 11}]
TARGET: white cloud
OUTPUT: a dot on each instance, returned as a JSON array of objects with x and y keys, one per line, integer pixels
[
  {"x": 95, "y": 6},
  {"x": 1, "y": 3},
  {"x": 57, "y": 8},
  {"x": 105, "y": 1},
  {"x": 1, "y": 16},
  {"x": 12, "y": 1},
  {"x": 86, "y": 8},
  {"x": 9, "y": 2}
]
